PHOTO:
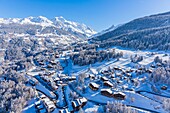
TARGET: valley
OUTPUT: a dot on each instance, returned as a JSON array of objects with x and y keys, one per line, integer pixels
[{"x": 59, "y": 66}]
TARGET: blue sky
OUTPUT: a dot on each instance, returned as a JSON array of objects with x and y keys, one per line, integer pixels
[{"x": 98, "y": 14}]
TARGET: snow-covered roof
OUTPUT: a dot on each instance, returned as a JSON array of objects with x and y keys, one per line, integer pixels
[
  {"x": 104, "y": 78},
  {"x": 107, "y": 90},
  {"x": 91, "y": 75},
  {"x": 38, "y": 102},
  {"x": 94, "y": 84},
  {"x": 51, "y": 105},
  {"x": 120, "y": 93},
  {"x": 108, "y": 82},
  {"x": 42, "y": 96},
  {"x": 56, "y": 79},
  {"x": 75, "y": 103},
  {"x": 93, "y": 71},
  {"x": 82, "y": 100},
  {"x": 46, "y": 99}
]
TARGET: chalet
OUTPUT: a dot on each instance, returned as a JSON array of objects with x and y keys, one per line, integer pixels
[
  {"x": 103, "y": 78},
  {"x": 119, "y": 95},
  {"x": 107, "y": 92},
  {"x": 119, "y": 81},
  {"x": 41, "y": 63},
  {"x": 72, "y": 78},
  {"x": 132, "y": 70},
  {"x": 117, "y": 68},
  {"x": 50, "y": 107},
  {"x": 107, "y": 73},
  {"x": 104, "y": 72},
  {"x": 153, "y": 66},
  {"x": 92, "y": 71},
  {"x": 128, "y": 75},
  {"x": 94, "y": 86},
  {"x": 124, "y": 78},
  {"x": 49, "y": 104},
  {"x": 124, "y": 72},
  {"x": 53, "y": 63},
  {"x": 112, "y": 76},
  {"x": 56, "y": 79},
  {"x": 49, "y": 66},
  {"x": 91, "y": 76},
  {"x": 128, "y": 70},
  {"x": 164, "y": 87},
  {"x": 42, "y": 96},
  {"x": 38, "y": 103},
  {"x": 108, "y": 84},
  {"x": 79, "y": 103},
  {"x": 83, "y": 101},
  {"x": 149, "y": 70},
  {"x": 57, "y": 56}
]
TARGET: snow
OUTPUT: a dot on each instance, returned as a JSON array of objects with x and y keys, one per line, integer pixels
[
  {"x": 141, "y": 100},
  {"x": 58, "y": 22},
  {"x": 30, "y": 108},
  {"x": 74, "y": 26},
  {"x": 41, "y": 88},
  {"x": 94, "y": 84},
  {"x": 107, "y": 90}
]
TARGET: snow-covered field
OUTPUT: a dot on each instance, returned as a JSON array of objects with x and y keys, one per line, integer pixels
[{"x": 145, "y": 101}]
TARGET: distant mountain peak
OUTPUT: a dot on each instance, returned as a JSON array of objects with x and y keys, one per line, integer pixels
[{"x": 41, "y": 25}]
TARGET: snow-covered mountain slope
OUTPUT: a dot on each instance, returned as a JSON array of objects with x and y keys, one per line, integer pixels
[
  {"x": 62, "y": 23},
  {"x": 150, "y": 32},
  {"x": 43, "y": 27},
  {"x": 106, "y": 31}
]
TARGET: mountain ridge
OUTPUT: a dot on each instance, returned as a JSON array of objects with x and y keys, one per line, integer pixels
[
  {"x": 149, "y": 32},
  {"x": 58, "y": 22}
]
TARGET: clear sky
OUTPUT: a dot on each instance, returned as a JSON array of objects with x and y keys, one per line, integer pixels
[{"x": 98, "y": 14}]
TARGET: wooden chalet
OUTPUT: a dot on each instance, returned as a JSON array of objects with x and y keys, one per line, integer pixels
[
  {"x": 107, "y": 92},
  {"x": 94, "y": 86},
  {"x": 107, "y": 83},
  {"x": 53, "y": 63},
  {"x": 79, "y": 103},
  {"x": 49, "y": 66},
  {"x": 119, "y": 95},
  {"x": 72, "y": 78},
  {"x": 117, "y": 68},
  {"x": 103, "y": 78}
]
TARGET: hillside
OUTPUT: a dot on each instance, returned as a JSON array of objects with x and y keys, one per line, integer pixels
[{"x": 150, "y": 32}]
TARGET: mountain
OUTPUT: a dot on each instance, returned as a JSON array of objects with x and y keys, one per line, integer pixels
[
  {"x": 57, "y": 28},
  {"x": 150, "y": 32}
]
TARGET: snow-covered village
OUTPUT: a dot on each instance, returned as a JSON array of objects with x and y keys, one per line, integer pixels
[{"x": 61, "y": 66}]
